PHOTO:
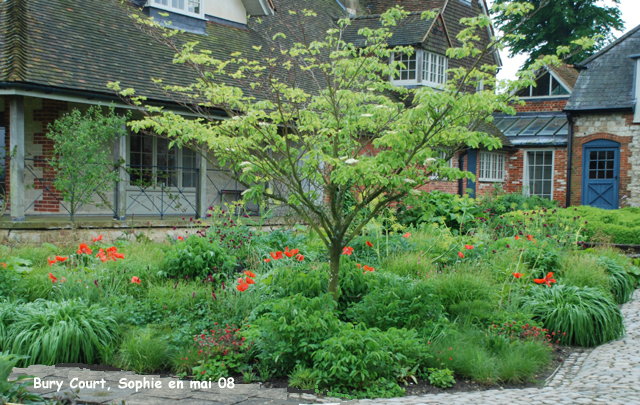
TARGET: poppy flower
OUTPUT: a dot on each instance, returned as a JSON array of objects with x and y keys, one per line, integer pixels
[
  {"x": 250, "y": 281},
  {"x": 368, "y": 268},
  {"x": 118, "y": 255},
  {"x": 267, "y": 260},
  {"x": 3, "y": 265},
  {"x": 53, "y": 278},
  {"x": 180, "y": 238},
  {"x": 287, "y": 252},
  {"x": 517, "y": 275},
  {"x": 84, "y": 248},
  {"x": 406, "y": 235},
  {"x": 359, "y": 265},
  {"x": 461, "y": 255},
  {"x": 517, "y": 237},
  {"x": 468, "y": 247},
  {"x": 242, "y": 286},
  {"x": 300, "y": 257},
  {"x": 530, "y": 237},
  {"x": 249, "y": 273},
  {"x": 547, "y": 280},
  {"x": 61, "y": 258},
  {"x": 369, "y": 244},
  {"x": 347, "y": 251},
  {"x": 135, "y": 279},
  {"x": 98, "y": 239},
  {"x": 52, "y": 262},
  {"x": 277, "y": 255}
]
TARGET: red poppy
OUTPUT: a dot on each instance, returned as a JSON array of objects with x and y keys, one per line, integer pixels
[
  {"x": 84, "y": 248},
  {"x": 53, "y": 278},
  {"x": 547, "y": 280},
  {"x": 61, "y": 258},
  {"x": 300, "y": 257},
  {"x": 359, "y": 265},
  {"x": 367, "y": 268},
  {"x": 369, "y": 244},
  {"x": 295, "y": 251},
  {"x": 461, "y": 255},
  {"x": 242, "y": 285},
  {"x": 347, "y": 251},
  {"x": 287, "y": 252},
  {"x": 277, "y": 255},
  {"x": 249, "y": 273},
  {"x": 51, "y": 262},
  {"x": 4, "y": 265},
  {"x": 517, "y": 275},
  {"x": 530, "y": 237},
  {"x": 98, "y": 239},
  {"x": 250, "y": 281},
  {"x": 468, "y": 247},
  {"x": 517, "y": 237},
  {"x": 64, "y": 279},
  {"x": 118, "y": 255},
  {"x": 267, "y": 260},
  {"x": 406, "y": 235},
  {"x": 135, "y": 279},
  {"x": 180, "y": 238}
]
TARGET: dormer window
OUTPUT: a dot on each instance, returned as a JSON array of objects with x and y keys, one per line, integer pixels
[
  {"x": 546, "y": 86},
  {"x": 422, "y": 68},
  {"x": 188, "y": 7}
]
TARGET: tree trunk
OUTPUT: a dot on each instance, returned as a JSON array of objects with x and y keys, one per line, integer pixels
[{"x": 335, "y": 253}]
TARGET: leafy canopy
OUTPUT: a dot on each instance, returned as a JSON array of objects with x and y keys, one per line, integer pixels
[
  {"x": 558, "y": 23},
  {"x": 312, "y": 120}
]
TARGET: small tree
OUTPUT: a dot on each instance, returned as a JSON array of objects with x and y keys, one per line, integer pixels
[
  {"x": 304, "y": 147},
  {"x": 82, "y": 155}
]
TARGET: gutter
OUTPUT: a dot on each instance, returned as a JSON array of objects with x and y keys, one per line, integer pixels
[{"x": 569, "y": 158}]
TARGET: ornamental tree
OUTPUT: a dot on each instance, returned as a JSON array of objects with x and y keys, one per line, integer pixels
[
  {"x": 82, "y": 155},
  {"x": 308, "y": 148}
]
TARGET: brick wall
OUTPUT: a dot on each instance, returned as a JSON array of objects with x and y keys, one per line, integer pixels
[
  {"x": 542, "y": 105},
  {"x": 618, "y": 127}
]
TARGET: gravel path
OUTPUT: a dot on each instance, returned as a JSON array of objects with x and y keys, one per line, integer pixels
[{"x": 609, "y": 374}]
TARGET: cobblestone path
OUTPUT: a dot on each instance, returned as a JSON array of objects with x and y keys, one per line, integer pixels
[{"x": 609, "y": 374}]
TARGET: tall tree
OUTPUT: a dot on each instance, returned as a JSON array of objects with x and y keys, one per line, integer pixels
[{"x": 556, "y": 23}]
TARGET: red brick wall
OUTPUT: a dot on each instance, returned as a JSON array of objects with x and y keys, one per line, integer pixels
[{"x": 542, "y": 105}]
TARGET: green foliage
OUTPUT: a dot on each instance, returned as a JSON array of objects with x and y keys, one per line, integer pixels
[
  {"x": 289, "y": 330},
  {"x": 588, "y": 316},
  {"x": 558, "y": 24},
  {"x": 499, "y": 202},
  {"x": 403, "y": 303},
  {"x": 143, "y": 352},
  {"x": 621, "y": 282},
  {"x": 15, "y": 391},
  {"x": 583, "y": 270},
  {"x": 198, "y": 257},
  {"x": 82, "y": 155},
  {"x": 617, "y": 226},
  {"x": 359, "y": 358},
  {"x": 458, "y": 287},
  {"x": 303, "y": 378},
  {"x": 444, "y": 208},
  {"x": 51, "y": 332},
  {"x": 441, "y": 378}
]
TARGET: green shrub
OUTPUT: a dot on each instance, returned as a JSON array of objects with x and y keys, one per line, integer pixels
[
  {"x": 143, "y": 352},
  {"x": 58, "y": 332},
  {"x": 404, "y": 304},
  {"x": 303, "y": 378},
  {"x": 500, "y": 203},
  {"x": 620, "y": 281},
  {"x": 583, "y": 270},
  {"x": 436, "y": 206},
  {"x": 359, "y": 358},
  {"x": 457, "y": 287},
  {"x": 588, "y": 316},
  {"x": 198, "y": 257},
  {"x": 288, "y": 331},
  {"x": 15, "y": 391},
  {"x": 441, "y": 378}
]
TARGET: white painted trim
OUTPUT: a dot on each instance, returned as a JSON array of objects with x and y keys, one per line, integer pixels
[
  {"x": 487, "y": 179},
  {"x": 525, "y": 170},
  {"x": 420, "y": 54},
  {"x": 83, "y": 100},
  {"x": 152, "y": 3},
  {"x": 636, "y": 115}
]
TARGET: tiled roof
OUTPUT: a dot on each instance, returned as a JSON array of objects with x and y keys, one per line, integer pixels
[
  {"x": 82, "y": 45},
  {"x": 567, "y": 73},
  {"x": 491, "y": 129},
  {"x": 409, "y": 31},
  {"x": 606, "y": 82},
  {"x": 380, "y": 6}
]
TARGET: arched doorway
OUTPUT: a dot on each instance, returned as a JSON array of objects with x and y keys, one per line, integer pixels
[{"x": 601, "y": 174}]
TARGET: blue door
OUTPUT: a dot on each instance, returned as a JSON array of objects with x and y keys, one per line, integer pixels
[{"x": 600, "y": 174}]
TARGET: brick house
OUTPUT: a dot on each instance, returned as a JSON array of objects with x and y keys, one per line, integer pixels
[{"x": 59, "y": 55}]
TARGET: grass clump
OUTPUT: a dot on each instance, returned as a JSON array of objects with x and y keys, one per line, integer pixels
[
  {"x": 143, "y": 352},
  {"x": 588, "y": 316}
]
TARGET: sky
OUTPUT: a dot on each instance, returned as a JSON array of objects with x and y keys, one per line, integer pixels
[{"x": 630, "y": 15}]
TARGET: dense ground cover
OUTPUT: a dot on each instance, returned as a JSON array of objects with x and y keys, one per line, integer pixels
[{"x": 485, "y": 299}]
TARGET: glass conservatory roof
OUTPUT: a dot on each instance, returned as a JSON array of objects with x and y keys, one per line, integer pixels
[{"x": 537, "y": 129}]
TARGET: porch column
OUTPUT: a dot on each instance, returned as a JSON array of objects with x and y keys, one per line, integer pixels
[
  {"x": 16, "y": 153},
  {"x": 201, "y": 190},
  {"x": 120, "y": 155}
]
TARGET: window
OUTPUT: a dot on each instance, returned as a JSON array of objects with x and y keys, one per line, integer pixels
[
  {"x": 546, "y": 86},
  {"x": 491, "y": 166},
  {"x": 539, "y": 174},
  {"x": 153, "y": 163},
  {"x": 421, "y": 68},
  {"x": 601, "y": 164},
  {"x": 180, "y": 6}
]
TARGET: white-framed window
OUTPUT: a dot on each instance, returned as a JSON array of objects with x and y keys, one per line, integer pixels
[
  {"x": 421, "y": 68},
  {"x": 538, "y": 173},
  {"x": 189, "y": 7},
  {"x": 491, "y": 166},
  {"x": 153, "y": 164},
  {"x": 547, "y": 85}
]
